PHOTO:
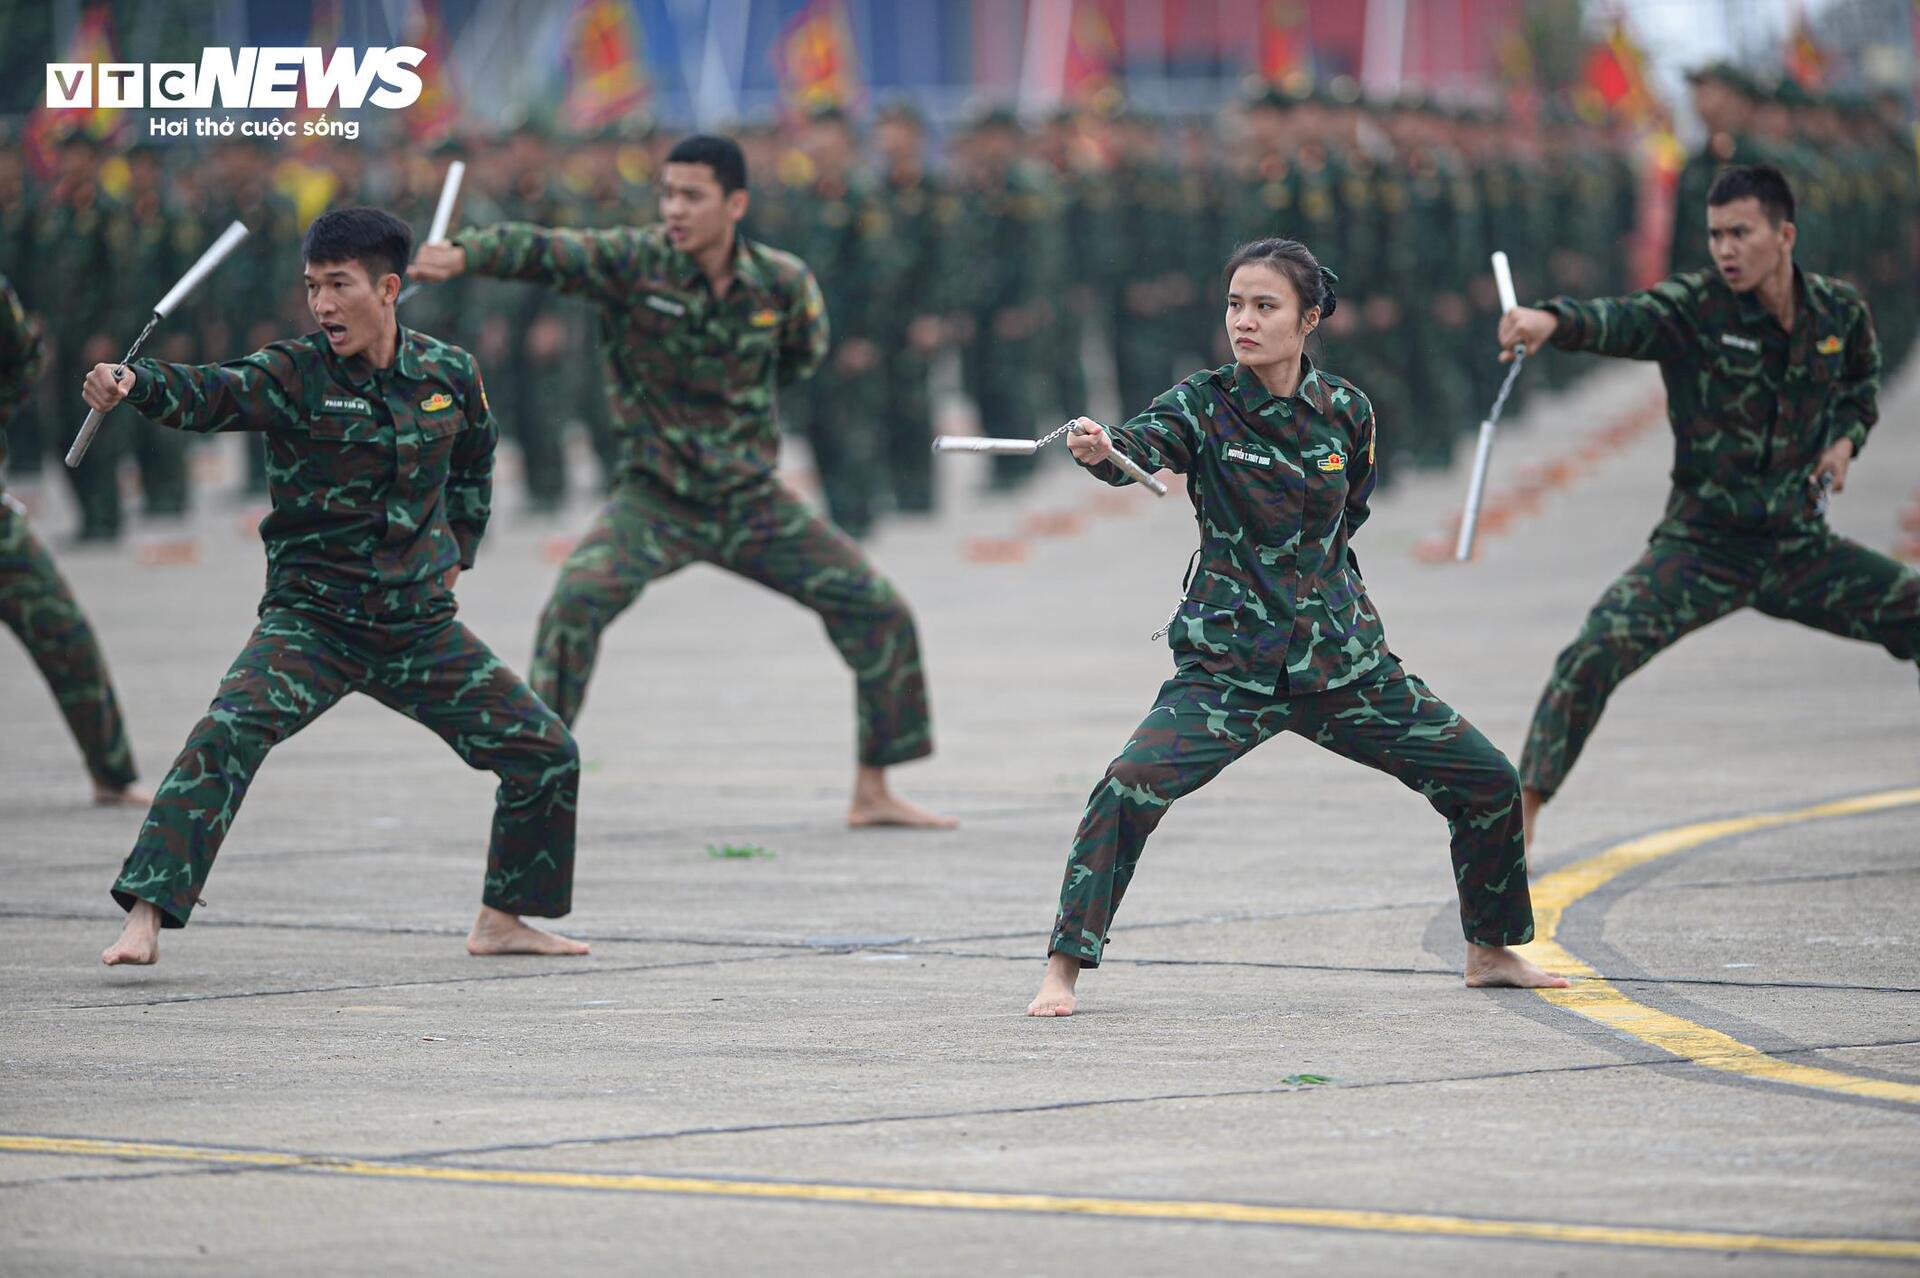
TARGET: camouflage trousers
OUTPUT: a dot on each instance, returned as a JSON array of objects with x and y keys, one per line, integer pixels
[
  {"x": 37, "y": 605},
  {"x": 295, "y": 667},
  {"x": 769, "y": 536},
  {"x": 1200, "y": 724},
  {"x": 1679, "y": 585}
]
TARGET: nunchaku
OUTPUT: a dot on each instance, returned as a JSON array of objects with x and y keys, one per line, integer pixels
[
  {"x": 216, "y": 253},
  {"x": 442, "y": 214},
  {"x": 1027, "y": 447},
  {"x": 1483, "y": 455}
]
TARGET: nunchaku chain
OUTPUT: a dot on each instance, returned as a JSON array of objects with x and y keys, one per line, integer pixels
[{"x": 1050, "y": 436}]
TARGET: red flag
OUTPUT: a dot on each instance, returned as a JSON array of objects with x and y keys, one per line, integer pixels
[
  {"x": 1286, "y": 40},
  {"x": 1615, "y": 78},
  {"x": 92, "y": 43},
  {"x": 436, "y": 113},
  {"x": 1093, "y": 54},
  {"x": 818, "y": 61},
  {"x": 1807, "y": 61},
  {"x": 606, "y": 66}
]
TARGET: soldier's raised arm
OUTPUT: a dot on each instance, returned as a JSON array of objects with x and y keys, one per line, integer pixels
[
  {"x": 598, "y": 265},
  {"x": 259, "y": 392}
]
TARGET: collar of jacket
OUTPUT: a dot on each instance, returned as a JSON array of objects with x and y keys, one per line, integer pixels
[
  {"x": 1807, "y": 302},
  {"x": 1312, "y": 388},
  {"x": 749, "y": 272},
  {"x": 358, "y": 368}
]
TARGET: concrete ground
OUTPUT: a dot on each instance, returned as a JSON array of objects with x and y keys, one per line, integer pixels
[{"x": 816, "y": 1061}]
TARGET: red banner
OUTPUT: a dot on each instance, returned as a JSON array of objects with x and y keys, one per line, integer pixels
[
  {"x": 606, "y": 66},
  {"x": 818, "y": 61}
]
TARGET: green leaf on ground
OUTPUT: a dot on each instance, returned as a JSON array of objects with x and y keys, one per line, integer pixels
[{"x": 739, "y": 852}]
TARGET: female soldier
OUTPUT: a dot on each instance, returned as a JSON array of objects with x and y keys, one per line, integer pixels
[{"x": 1277, "y": 632}]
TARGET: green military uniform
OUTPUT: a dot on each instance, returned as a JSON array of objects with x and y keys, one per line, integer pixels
[
  {"x": 1140, "y": 244},
  {"x": 154, "y": 245},
  {"x": 1753, "y": 407},
  {"x": 839, "y": 229},
  {"x": 73, "y": 263},
  {"x": 692, "y": 378},
  {"x": 381, "y": 484},
  {"x": 249, "y": 297},
  {"x": 922, "y": 215},
  {"x": 1277, "y": 634},
  {"x": 1008, "y": 260},
  {"x": 35, "y": 601}
]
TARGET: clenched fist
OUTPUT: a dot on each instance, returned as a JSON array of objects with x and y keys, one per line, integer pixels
[
  {"x": 437, "y": 262},
  {"x": 1523, "y": 324},
  {"x": 106, "y": 386},
  {"x": 1088, "y": 442}
]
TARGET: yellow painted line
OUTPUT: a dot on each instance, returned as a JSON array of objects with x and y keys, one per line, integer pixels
[
  {"x": 1387, "y": 1222},
  {"x": 1595, "y": 998}
]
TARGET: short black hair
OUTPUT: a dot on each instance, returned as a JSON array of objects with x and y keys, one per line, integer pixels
[
  {"x": 374, "y": 238},
  {"x": 1762, "y": 182},
  {"x": 722, "y": 155}
]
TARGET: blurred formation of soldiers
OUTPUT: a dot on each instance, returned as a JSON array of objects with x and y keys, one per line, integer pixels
[
  {"x": 1056, "y": 268},
  {"x": 1851, "y": 161}
]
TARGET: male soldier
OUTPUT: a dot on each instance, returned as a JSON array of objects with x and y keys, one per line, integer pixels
[
  {"x": 697, "y": 326},
  {"x": 155, "y": 242},
  {"x": 252, "y": 280},
  {"x": 1723, "y": 97},
  {"x": 1009, "y": 244},
  {"x": 380, "y": 451},
  {"x": 921, "y": 215},
  {"x": 1771, "y": 376},
  {"x": 72, "y": 248},
  {"x": 36, "y": 603},
  {"x": 839, "y": 230}
]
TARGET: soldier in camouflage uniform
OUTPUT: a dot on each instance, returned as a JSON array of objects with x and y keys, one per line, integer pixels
[
  {"x": 1771, "y": 376},
  {"x": 380, "y": 454},
  {"x": 1277, "y": 633},
  {"x": 37, "y": 604},
  {"x": 698, "y": 325}
]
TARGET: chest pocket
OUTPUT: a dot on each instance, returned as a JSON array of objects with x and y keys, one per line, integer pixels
[
  {"x": 344, "y": 425},
  {"x": 441, "y": 425}
]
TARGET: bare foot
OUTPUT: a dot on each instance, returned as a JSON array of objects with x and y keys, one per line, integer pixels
[
  {"x": 1056, "y": 996},
  {"x": 139, "y": 943},
  {"x": 876, "y": 805},
  {"x": 1530, "y": 805},
  {"x": 1496, "y": 965},
  {"x": 497, "y": 932},
  {"x": 121, "y": 796}
]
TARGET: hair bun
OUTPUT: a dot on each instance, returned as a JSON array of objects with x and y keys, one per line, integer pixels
[{"x": 1329, "y": 299}]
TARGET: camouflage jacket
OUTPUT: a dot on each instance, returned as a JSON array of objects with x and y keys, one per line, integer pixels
[
  {"x": 381, "y": 479},
  {"x": 690, "y": 377},
  {"x": 1278, "y": 486},
  {"x": 22, "y": 357},
  {"x": 1752, "y": 405}
]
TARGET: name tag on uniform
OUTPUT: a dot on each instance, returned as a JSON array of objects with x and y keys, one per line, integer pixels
[
  {"x": 344, "y": 404},
  {"x": 666, "y": 305},
  {"x": 1247, "y": 456},
  {"x": 1739, "y": 343}
]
